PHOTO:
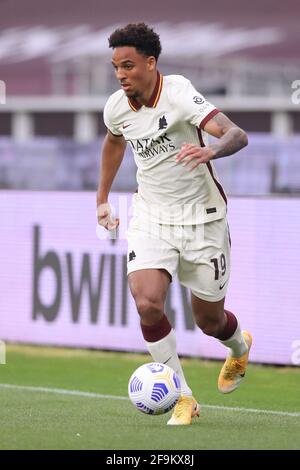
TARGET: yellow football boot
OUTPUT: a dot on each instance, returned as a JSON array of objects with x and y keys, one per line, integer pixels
[
  {"x": 185, "y": 409},
  {"x": 234, "y": 369}
]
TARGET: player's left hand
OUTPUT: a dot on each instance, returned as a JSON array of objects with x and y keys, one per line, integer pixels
[{"x": 189, "y": 152}]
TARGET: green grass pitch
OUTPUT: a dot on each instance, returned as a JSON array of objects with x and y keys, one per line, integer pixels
[{"x": 36, "y": 413}]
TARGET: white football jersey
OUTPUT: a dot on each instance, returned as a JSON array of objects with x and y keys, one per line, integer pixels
[{"x": 168, "y": 192}]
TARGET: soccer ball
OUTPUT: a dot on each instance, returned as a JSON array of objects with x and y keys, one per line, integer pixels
[{"x": 154, "y": 388}]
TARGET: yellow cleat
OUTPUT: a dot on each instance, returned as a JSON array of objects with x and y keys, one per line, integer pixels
[
  {"x": 185, "y": 409},
  {"x": 234, "y": 369}
]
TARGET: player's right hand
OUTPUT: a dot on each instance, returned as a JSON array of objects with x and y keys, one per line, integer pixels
[{"x": 106, "y": 217}]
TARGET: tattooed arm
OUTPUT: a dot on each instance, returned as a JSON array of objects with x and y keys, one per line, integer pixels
[{"x": 231, "y": 139}]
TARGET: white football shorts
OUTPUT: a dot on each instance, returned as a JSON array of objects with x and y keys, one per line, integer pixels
[{"x": 198, "y": 254}]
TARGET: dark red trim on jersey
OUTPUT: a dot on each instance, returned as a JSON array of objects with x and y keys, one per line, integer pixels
[
  {"x": 219, "y": 186},
  {"x": 202, "y": 144},
  {"x": 208, "y": 118},
  {"x": 208, "y": 164},
  {"x": 135, "y": 105},
  {"x": 156, "y": 92},
  {"x": 115, "y": 135},
  {"x": 158, "y": 331}
]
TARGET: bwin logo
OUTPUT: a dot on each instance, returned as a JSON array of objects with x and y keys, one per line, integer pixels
[
  {"x": 76, "y": 283},
  {"x": 162, "y": 123}
]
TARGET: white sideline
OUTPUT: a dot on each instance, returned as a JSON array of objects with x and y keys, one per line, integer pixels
[{"x": 78, "y": 393}]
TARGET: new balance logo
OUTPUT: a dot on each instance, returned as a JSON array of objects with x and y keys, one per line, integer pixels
[
  {"x": 132, "y": 255},
  {"x": 162, "y": 123}
]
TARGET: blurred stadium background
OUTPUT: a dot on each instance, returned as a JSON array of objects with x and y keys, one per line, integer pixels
[{"x": 60, "y": 285}]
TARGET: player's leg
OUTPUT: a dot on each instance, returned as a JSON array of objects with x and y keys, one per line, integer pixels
[
  {"x": 149, "y": 289},
  {"x": 214, "y": 320},
  {"x": 205, "y": 269},
  {"x": 152, "y": 261}
]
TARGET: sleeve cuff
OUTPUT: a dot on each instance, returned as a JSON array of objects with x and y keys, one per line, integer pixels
[
  {"x": 208, "y": 117},
  {"x": 115, "y": 135}
]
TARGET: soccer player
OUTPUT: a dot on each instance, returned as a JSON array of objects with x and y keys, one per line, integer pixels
[{"x": 179, "y": 220}]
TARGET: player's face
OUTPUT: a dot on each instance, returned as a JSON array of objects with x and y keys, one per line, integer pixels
[{"x": 133, "y": 70}]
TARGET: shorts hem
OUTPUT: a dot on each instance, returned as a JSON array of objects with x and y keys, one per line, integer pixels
[
  {"x": 139, "y": 268},
  {"x": 209, "y": 298}
]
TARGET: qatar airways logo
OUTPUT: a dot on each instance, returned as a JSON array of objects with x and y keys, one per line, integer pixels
[{"x": 149, "y": 148}]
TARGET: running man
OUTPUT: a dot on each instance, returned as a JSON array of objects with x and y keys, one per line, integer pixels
[{"x": 179, "y": 222}]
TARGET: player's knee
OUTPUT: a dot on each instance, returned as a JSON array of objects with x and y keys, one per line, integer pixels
[{"x": 150, "y": 309}]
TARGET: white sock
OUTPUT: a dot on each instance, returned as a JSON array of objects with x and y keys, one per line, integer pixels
[
  {"x": 236, "y": 343},
  {"x": 164, "y": 351}
]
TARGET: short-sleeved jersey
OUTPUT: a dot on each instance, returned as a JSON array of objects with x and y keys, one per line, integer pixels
[{"x": 168, "y": 192}]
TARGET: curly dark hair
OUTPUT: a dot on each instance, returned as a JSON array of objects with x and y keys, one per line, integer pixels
[{"x": 137, "y": 35}]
